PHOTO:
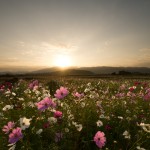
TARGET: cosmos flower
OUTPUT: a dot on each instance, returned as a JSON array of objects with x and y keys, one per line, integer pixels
[
  {"x": 100, "y": 139},
  {"x": 99, "y": 123},
  {"x": 140, "y": 148},
  {"x": 61, "y": 93},
  {"x": 78, "y": 95},
  {"x": 7, "y": 107},
  {"x": 145, "y": 127},
  {"x": 45, "y": 103},
  {"x": 131, "y": 89},
  {"x": 147, "y": 96},
  {"x": 34, "y": 85},
  {"x": 24, "y": 123},
  {"x": 16, "y": 135},
  {"x": 126, "y": 135},
  {"x": 78, "y": 127},
  {"x": 7, "y": 128},
  {"x": 13, "y": 146},
  {"x": 58, "y": 114},
  {"x": 52, "y": 120}
]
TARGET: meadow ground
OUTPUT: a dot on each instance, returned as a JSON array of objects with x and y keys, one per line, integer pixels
[{"x": 75, "y": 113}]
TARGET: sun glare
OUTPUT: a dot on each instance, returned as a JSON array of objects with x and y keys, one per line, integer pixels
[{"x": 62, "y": 61}]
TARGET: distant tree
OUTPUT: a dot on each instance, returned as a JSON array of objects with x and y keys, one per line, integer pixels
[
  {"x": 114, "y": 73},
  {"x": 122, "y": 72}
]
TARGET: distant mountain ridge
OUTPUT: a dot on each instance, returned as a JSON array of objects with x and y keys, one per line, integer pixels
[
  {"x": 96, "y": 70},
  {"x": 109, "y": 70},
  {"x": 82, "y": 70},
  {"x": 72, "y": 72}
]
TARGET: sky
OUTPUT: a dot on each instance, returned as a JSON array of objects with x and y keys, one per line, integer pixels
[{"x": 75, "y": 33}]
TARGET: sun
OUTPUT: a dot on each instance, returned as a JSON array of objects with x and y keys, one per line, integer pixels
[{"x": 62, "y": 61}]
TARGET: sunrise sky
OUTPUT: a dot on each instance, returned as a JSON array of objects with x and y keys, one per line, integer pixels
[{"x": 75, "y": 33}]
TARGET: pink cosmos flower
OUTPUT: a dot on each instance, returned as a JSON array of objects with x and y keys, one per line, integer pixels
[
  {"x": 78, "y": 95},
  {"x": 7, "y": 128},
  {"x": 61, "y": 93},
  {"x": 45, "y": 103},
  {"x": 147, "y": 96},
  {"x": 100, "y": 139},
  {"x": 16, "y": 135},
  {"x": 34, "y": 84},
  {"x": 58, "y": 114}
]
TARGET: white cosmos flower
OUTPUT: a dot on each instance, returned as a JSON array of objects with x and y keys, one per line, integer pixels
[
  {"x": 140, "y": 148},
  {"x": 145, "y": 127},
  {"x": 14, "y": 94},
  {"x": 21, "y": 99},
  {"x": 99, "y": 123},
  {"x": 13, "y": 146},
  {"x": 24, "y": 123},
  {"x": 52, "y": 120},
  {"x": 79, "y": 127},
  {"x": 126, "y": 135},
  {"x": 7, "y": 107},
  {"x": 7, "y": 92},
  {"x": 120, "y": 117}
]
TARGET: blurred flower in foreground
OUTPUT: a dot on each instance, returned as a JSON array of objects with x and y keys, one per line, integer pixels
[
  {"x": 100, "y": 139},
  {"x": 61, "y": 93},
  {"x": 16, "y": 135},
  {"x": 7, "y": 128}
]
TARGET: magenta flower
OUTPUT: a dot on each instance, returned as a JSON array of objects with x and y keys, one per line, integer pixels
[
  {"x": 100, "y": 139},
  {"x": 58, "y": 114},
  {"x": 45, "y": 103},
  {"x": 16, "y": 135},
  {"x": 61, "y": 93},
  {"x": 7, "y": 128}
]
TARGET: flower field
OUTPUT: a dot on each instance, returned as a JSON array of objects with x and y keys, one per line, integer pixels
[{"x": 75, "y": 114}]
